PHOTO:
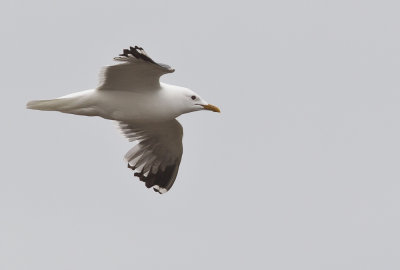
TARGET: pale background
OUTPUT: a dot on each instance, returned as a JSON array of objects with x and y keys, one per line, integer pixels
[{"x": 300, "y": 171}]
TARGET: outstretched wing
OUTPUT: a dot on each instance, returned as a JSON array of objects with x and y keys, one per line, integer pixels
[
  {"x": 137, "y": 71},
  {"x": 157, "y": 156}
]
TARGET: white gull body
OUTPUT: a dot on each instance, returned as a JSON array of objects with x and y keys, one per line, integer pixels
[
  {"x": 155, "y": 105},
  {"x": 131, "y": 94}
]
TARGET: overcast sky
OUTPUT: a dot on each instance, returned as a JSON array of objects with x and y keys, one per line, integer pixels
[{"x": 300, "y": 171}]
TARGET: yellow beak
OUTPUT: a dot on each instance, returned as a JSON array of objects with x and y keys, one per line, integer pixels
[{"x": 211, "y": 108}]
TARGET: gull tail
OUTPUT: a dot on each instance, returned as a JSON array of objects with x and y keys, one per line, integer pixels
[
  {"x": 48, "y": 105},
  {"x": 79, "y": 103}
]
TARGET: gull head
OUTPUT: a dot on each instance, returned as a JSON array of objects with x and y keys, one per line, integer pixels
[{"x": 189, "y": 101}]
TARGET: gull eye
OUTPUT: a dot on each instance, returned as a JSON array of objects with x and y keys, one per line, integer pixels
[{"x": 193, "y": 97}]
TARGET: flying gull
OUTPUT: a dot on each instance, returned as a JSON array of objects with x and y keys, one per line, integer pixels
[{"x": 131, "y": 93}]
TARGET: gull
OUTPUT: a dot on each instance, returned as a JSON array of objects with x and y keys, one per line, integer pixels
[{"x": 131, "y": 93}]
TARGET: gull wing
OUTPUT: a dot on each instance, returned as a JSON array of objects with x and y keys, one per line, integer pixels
[
  {"x": 137, "y": 71},
  {"x": 157, "y": 155}
]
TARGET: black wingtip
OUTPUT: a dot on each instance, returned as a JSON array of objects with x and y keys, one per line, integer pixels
[
  {"x": 138, "y": 53},
  {"x": 131, "y": 167},
  {"x": 156, "y": 190},
  {"x": 161, "y": 179}
]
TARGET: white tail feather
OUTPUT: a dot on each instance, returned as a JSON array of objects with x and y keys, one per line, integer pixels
[
  {"x": 48, "y": 105},
  {"x": 77, "y": 103}
]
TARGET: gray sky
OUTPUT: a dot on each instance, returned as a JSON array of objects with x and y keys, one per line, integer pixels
[{"x": 300, "y": 171}]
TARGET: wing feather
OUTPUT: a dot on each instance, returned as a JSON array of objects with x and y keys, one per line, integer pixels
[
  {"x": 157, "y": 156},
  {"x": 136, "y": 72}
]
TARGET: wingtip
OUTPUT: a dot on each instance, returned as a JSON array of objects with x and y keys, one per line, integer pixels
[
  {"x": 159, "y": 189},
  {"x": 138, "y": 53}
]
